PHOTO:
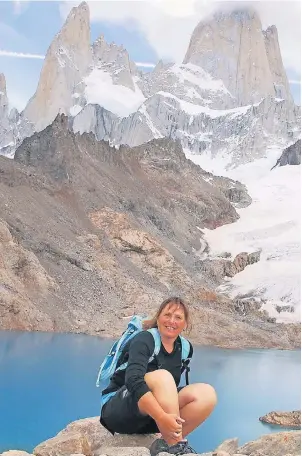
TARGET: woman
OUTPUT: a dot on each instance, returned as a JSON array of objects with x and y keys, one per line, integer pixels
[{"x": 148, "y": 399}]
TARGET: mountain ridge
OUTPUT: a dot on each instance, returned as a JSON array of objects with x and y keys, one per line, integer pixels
[{"x": 147, "y": 105}]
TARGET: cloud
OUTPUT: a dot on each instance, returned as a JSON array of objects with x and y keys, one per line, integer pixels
[
  {"x": 168, "y": 24},
  {"x": 294, "y": 81},
  {"x": 20, "y": 6},
  {"x": 22, "y": 55}
]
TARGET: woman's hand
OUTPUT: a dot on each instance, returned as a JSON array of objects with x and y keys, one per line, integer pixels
[{"x": 170, "y": 424}]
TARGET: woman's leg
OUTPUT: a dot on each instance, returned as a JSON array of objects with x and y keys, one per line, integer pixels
[
  {"x": 163, "y": 388},
  {"x": 196, "y": 403}
]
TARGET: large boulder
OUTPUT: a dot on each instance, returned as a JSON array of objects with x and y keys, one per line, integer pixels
[
  {"x": 279, "y": 444},
  {"x": 288, "y": 419},
  {"x": 89, "y": 437}
]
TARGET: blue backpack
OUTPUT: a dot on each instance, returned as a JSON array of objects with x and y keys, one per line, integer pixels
[{"x": 135, "y": 326}]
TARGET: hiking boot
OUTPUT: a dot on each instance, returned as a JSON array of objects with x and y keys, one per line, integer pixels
[
  {"x": 159, "y": 446},
  {"x": 180, "y": 448}
]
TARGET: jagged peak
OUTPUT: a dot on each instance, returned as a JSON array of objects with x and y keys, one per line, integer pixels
[
  {"x": 161, "y": 65},
  {"x": 78, "y": 16},
  {"x": 79, "y": 10},
  {"x": 271, "y": 30},
  {"x": 102, "y": 42},
  {"x": 2, "y": 84}
]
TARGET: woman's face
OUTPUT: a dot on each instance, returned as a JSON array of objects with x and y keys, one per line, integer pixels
[{"x": 171, "y": 321}]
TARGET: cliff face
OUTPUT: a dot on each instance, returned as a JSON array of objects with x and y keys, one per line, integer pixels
[
  {"x": 231, "y": 47},
  {"x": 274, "y": 57},
  {"x": 66, "y": 62}
]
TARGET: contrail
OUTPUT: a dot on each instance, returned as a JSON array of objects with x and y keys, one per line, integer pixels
[
  {"x": 294, "y": 81},
  {"x": 146, "y": 65},
  {"x": 24, "y": 55},
  {"x": 21, "y": 55}
]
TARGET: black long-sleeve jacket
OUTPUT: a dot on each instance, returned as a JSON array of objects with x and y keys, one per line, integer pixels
[{"x": 137, "y": 352}]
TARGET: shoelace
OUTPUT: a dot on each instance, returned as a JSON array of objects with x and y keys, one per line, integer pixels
[
  {"x": 184, "y": 446},
  {"x": 188, "y": 447}
]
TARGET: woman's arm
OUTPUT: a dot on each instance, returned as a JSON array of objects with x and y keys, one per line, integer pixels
[{"x": 140, "y": 351}]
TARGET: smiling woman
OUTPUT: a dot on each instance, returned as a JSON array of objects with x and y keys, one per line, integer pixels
[{"x": 145, "y": 397}]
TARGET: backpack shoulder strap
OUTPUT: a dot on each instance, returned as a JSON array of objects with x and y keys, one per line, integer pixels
[
  {"x": 186, "y": 349},
  {"x": 157, "y": 341},
  {"x": 186, "y": 356}
]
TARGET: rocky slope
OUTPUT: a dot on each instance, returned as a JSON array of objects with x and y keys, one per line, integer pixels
[
  {"x": 118, "y": 231},
  {"x": 87, "y": 437},
  {"x": 229, "y": 99}
]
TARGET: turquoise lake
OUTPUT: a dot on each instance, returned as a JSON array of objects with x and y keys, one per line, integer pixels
[{"x": 48, "y": 380}]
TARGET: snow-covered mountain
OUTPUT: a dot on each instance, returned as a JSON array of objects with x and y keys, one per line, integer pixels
[
  {"x": 14, "y": 127},
  {"x": 229, "y": 98}
]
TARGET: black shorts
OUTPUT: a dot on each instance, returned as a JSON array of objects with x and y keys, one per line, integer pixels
[{"x": 121, "y": 415}]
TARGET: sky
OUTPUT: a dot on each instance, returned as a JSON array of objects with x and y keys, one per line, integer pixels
[{"x": 149, "y": 30}]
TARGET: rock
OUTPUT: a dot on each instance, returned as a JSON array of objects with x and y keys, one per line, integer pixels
[
  {"x": 254, "y": 257},
  {"x": 277, "y": 444},
  {"x": 22, "y": 279},
  {"x": 66, "y": 63},
  {"x": 220, "y": 268},
  {"x": 229, "y": 446},
  {"x": 5, "y": 235},
  {"x": 86, "y": 437},
  {"x": 234, "y": 39},
  {"x": 279, "y": 77},
  {"x": 114, "y": 60},
  {"x": 122, "y": 451},
  {"x": 241, "y": 261},
  {"x": 16, "y": 453},
  {"x": 287, "y": 419},
  {"x": 286, "y": 308},
  {"x": 89, "y": 437},
  {"x": 290, "y": 156},
  {"x": 221, "y": 453}
]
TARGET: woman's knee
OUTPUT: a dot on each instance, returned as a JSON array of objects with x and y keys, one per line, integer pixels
[
  {"x": 202, "y": 392},
  {"x": 160, "y": 377},
  {"x": 206, "y": 392}
]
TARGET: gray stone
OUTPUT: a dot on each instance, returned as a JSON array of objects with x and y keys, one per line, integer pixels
[
  {"x": 277, "y": 444},
  {"x": 230, "y": 446},
  {"x": 290, "y": 156},
  {"x": 89, "y": 437},
  {"x": 122, "y": 451},
  {"x": 287, "y": 419}
]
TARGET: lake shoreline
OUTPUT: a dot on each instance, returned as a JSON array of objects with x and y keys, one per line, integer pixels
[{"x": 107, "y": 337}]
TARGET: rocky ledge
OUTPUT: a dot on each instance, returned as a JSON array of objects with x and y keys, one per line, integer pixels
[
  {"x": 88, "y": 438},
  {"x": 287, "y": 419}
]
